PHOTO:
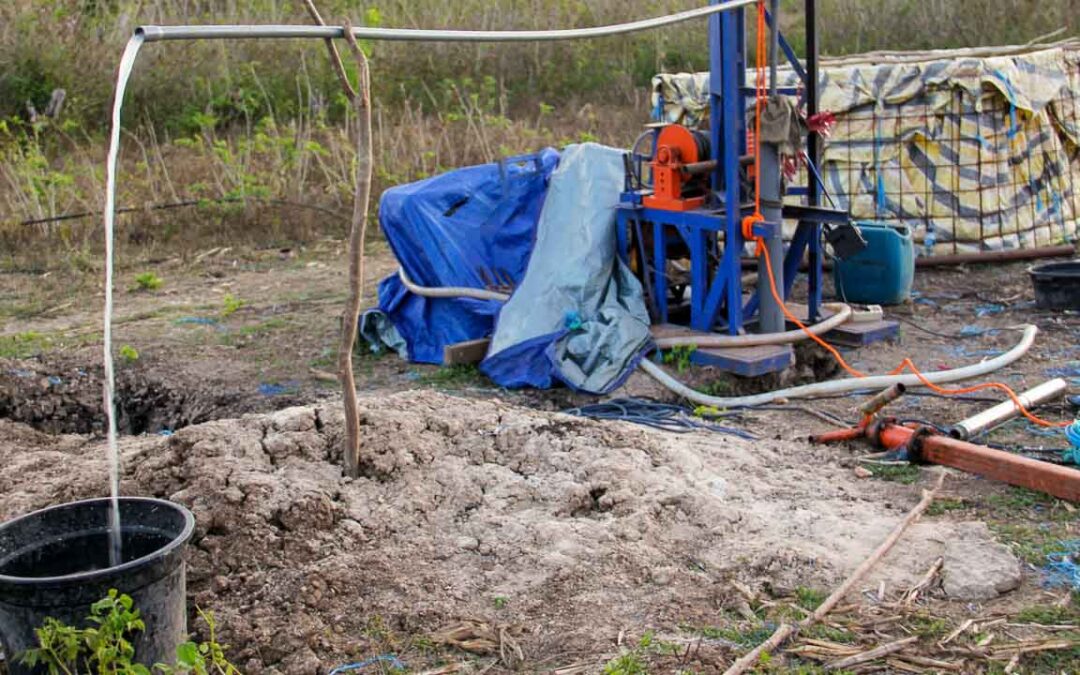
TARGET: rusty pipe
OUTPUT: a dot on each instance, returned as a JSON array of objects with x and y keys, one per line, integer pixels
[
  {"x": 882, "y": 399},
  {"x": 1059, "y": 481},
  {"x": 1006, "y": 410}
]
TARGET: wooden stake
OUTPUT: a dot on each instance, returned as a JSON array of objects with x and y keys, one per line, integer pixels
[{"x": 360, "y": 97}]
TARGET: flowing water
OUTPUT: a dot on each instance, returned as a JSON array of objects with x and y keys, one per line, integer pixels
[{"x": 127, "y": 61}]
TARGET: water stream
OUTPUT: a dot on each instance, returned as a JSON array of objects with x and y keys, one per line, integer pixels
[{"x": 127, "y": 61}]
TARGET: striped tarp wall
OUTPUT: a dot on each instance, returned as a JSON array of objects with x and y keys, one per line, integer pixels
[{"x": 972, "y": 153}]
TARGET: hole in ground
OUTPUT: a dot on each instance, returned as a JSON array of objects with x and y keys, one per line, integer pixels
[{"x": 60, "y": 397}]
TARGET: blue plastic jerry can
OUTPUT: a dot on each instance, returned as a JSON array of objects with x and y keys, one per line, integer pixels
[{"x": 883, "y": 272}]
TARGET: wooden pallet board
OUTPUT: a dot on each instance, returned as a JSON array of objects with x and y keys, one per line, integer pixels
[
  {"x": 862, "y": 334},
  {"x": 465, "y": 353},
  {"x": 743, "y": 361}
]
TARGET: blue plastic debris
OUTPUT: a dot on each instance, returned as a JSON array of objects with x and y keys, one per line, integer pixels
[
  {"x": 166, "y": 432},
  {"x": 989, "y": 310},
  {"x": 22, "y": 373},
  {"x": 196, "y": 320},
  {"x": 395, "y": 664},
  {"x": 1061, "y": 568},
  {"x": 971, "y": 330},
  {"x": 54, "y": 380},
  {"x": 275, "y": 389},
  {"x": 1072, "y": 434},
  {"x": 1070, "y": 369}
]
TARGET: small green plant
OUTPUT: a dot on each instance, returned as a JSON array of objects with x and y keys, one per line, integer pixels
[
  {"x": 897, "y": 473},
  {"x": 129, "y": 353},
  {"x": 105, "y": 647},
  {"x": 230, "y": 304},
  {"x": 809, "y": 598},
  {"x": 148, "y": 281},
  {"x": 680, "y": 356},
  {"x": 501, "y": 601},
  {"x": 944, "y": 505}
]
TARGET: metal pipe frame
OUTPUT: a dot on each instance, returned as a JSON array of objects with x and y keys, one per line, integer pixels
[{"x": 243, "y": 32}]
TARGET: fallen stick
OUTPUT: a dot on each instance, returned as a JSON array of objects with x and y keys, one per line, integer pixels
[
  {"x": 871, "y": 654},
  {"x": 786, "y": 630}
]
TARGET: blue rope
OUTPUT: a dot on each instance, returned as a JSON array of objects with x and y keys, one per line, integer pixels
[
  {"x": 1062, "y": 568},
  {"x": 394, "y": 662},
  {"x": 1072, "y": 434}
]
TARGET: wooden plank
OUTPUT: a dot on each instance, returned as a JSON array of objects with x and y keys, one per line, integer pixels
[{"x": 465, "y": 353}]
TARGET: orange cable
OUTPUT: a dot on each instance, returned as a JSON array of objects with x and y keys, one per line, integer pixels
[{"x": 747, "y": 231}]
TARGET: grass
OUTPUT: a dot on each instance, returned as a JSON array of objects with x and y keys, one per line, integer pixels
[
  {"x": 905, "y": 474},
  {"x": 943, "y": 505},
  {"x": 454, "y": 376},
  {"x": 148, "y": 281},
  {"x": 24, "y": 345}
]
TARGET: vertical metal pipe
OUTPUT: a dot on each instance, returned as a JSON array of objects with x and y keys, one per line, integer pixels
[
  {"x": 813, "y": 152},
  {"x": 770, "y": 313},
  {"x": 774, "y": 44}
]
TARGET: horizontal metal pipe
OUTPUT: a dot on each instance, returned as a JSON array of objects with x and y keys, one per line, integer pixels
[
  {"x": 995, "y": 256},
  {"x": 158, "y": 33},
  {"x": 1062, "y": 251},
  {"x": 700, "y": 167},
  {"x": 1006, "y": 410}
]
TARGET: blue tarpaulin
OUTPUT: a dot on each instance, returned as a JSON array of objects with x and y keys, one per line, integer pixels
[
  {"x": 576, "y": 314},
  {"x": 578, "y": 317},
  {"x": 470, "y": 227}
]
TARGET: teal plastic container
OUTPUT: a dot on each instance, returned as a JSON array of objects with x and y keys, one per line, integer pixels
[{"x": 883, "y": 272}]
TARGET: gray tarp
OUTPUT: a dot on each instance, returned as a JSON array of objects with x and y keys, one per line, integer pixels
[{"x": 578, "y": 315}]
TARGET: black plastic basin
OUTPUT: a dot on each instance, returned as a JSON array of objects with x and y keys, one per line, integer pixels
[
  {"x": 1057, "y": 285},
  {"x": 55, "y": 562}
]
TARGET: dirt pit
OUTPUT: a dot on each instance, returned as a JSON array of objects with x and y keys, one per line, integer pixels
[{"x": 558, "y": 531}]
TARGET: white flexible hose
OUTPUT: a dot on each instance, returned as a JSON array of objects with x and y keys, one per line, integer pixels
[
  {"x": 842, "y": 313},
  {"x": 450, "y": 291},
  {"x": 847, "y": 384}
]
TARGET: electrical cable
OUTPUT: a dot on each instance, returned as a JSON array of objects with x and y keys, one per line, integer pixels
[{"x": 662, "y": 416}]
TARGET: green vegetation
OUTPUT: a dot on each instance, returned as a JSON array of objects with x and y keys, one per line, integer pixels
[
  {"x": 454, "y": 376},
  {"x": 679, "y": 356},
  {"x": 105, "y": 647},
  {"x": 501, "y": 601},
  {"x": 238, "y": 129},
  {"x": 809, "y": 598},
  {"x": 943, "y": 505},
  {"x": 23, "y": 345},
  {"x": 897, "y": 473},
  {"x": 129, "y": 353},
  {"x": 230, "y": 304},
  {"x": 148, "y": 281}
]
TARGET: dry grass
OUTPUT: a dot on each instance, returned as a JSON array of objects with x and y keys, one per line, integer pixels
[{"x": 260, "y": 122}]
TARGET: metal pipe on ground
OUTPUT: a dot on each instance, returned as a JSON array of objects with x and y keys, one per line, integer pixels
[
  {"x": 1053, "y": 479},
  {"x": 1063, "y": 251},
  {"x": 1007, "y": 410}
]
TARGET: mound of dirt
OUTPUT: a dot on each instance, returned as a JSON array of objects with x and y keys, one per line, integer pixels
[{"x": 565, "y": 529}]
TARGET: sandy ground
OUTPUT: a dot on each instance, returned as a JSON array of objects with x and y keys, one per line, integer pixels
[{"x": 554, "y": 537}]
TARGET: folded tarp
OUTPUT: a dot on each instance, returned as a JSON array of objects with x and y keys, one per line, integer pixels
[
  {"x": 471, "y": 227},
  {"x": 578, "y": 316}
]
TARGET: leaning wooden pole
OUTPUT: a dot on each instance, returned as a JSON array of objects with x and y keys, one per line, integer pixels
[
  {"x": 360, "y": 98},
  {"x": 786, "y": 630},
  {"x": 357, "y": 234}
]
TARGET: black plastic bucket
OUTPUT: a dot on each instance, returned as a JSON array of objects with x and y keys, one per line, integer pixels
[
  {"x": 1057, "y": 285},
  {"x": 55, "y": 562}
]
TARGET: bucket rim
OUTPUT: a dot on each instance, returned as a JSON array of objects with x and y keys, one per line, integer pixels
[
  {"x": 1039, "y": 269},
  {"x": 82, "y": 577}
]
